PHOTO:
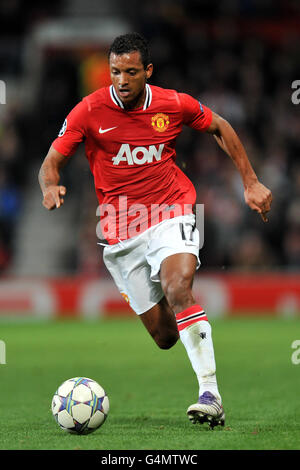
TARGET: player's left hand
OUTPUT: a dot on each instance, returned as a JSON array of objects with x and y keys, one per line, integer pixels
[{"x": 259, "y": 199}]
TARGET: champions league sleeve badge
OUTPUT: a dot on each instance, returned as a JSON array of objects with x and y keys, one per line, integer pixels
[{"x": 63, "y": 129}]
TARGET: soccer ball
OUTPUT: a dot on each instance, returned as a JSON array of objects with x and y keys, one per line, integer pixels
[{"x": 80, "y": 405}]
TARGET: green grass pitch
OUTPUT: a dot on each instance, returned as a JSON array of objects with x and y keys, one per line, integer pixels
[{"x": 150, "y": 389}]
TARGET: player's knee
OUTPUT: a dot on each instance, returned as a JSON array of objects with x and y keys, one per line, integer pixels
[
  {"x": 166, "y": 341},
  {"x": 178, "y": 291}
]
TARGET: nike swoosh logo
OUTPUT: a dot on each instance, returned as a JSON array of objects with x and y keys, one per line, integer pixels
[{"x": 102, "y": 131}]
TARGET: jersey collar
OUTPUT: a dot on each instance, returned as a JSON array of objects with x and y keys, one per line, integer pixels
[{"x": 118, "y": 102}]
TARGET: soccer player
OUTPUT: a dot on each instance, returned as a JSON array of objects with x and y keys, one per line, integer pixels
[{"x": 146, "y": 201}]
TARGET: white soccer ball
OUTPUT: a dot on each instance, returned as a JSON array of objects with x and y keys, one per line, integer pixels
[{"x": 80, "y": 405}]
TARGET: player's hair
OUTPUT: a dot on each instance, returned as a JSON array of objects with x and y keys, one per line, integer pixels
[{"x": 129, "y": 43}]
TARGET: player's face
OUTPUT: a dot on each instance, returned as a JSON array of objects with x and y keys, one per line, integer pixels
[{"x": 128, "y": 77}]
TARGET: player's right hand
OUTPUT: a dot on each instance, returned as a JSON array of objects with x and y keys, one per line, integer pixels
[{"x": 53, "y": 197}]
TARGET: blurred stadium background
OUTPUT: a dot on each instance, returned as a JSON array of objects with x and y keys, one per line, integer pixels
[{"x": 240, "y": 57}]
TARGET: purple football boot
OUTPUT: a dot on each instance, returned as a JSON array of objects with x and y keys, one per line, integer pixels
[{"x": 207, "y": 409}]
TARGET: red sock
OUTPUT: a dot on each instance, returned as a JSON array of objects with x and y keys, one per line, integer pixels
[{"x": 189, "y": 316}]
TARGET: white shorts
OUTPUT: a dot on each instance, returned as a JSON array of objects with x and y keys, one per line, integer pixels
[{"x": 135, "y": 263}]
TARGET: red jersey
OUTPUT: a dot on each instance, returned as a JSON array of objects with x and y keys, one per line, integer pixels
[{"x": 132, "y": 155}]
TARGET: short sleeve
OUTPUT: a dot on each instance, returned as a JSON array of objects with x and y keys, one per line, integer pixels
[
  {"x": 195, "y": 114},
  {"x": 72, "y": 132}
]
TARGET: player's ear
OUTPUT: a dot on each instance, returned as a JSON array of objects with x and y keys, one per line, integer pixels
[{"x": 149, "y": 71}]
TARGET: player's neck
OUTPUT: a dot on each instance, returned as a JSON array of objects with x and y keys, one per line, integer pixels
[{"x": 138, "y": 102}]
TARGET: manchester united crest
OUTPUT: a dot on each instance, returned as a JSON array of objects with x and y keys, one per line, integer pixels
[
  {"x": 160, "y": 122},
  {"x": 125, "y": 297}
]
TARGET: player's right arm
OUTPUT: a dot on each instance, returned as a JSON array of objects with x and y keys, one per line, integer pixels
[
  {"x": 49, "y": 176},
  {"x": 63, "y": 147}
]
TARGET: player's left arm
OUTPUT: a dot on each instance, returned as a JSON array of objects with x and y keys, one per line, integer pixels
[{"x": 257, "y": 196}]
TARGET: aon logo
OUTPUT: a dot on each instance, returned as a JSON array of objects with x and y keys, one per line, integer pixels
[{"x": 138, "y": 155}]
